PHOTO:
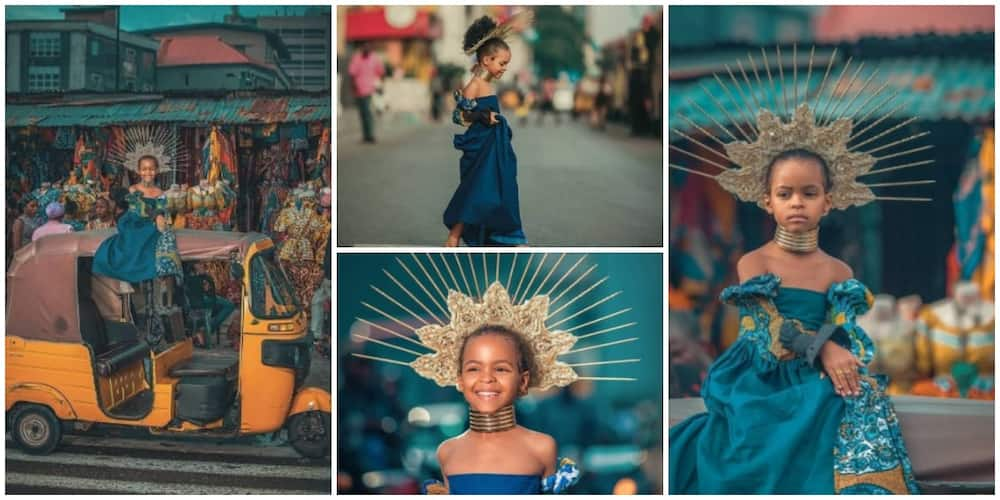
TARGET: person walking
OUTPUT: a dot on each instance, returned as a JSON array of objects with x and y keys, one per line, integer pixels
[{"x": 366, "y": 69}]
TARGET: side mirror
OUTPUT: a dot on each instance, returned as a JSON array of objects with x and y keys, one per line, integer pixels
[{"x": 236, "y": 271}]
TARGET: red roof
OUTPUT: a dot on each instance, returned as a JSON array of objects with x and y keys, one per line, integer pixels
[
  {"x": 850, "y": 22},
  {"x": 199, "y": 49},
  {"x": 370, "y": 24}
]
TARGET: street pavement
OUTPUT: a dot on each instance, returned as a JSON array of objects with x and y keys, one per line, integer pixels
[
  {"x": 99, "y": 464},
  {"x": 578, "y": 186}
]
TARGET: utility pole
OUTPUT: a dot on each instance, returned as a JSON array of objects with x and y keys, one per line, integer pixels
[{"x": 118, "y": 46}]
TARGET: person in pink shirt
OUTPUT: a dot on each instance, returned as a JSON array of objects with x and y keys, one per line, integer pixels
[
  {"x": 366, "y": 69},
  {"x": 55, "y": 212}
]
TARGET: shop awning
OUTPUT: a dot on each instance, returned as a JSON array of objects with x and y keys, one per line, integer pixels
[
  {"x": 187, "y": 111},
  {"x": 930, "y": 88},
  {"x": 371, "y": 24}
]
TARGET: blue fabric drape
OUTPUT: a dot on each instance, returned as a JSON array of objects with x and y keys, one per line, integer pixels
[
  {"x": 773, "y": 426},
  {"x": 486, "y": 200}
]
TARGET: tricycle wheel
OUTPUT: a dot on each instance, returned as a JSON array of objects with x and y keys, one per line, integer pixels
[
  {"x": 309, "y": 433},
  {"x": 36, "y": 430}
]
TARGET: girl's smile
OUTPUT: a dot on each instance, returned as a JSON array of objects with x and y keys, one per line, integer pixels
[{"x": 489, "y": 376}]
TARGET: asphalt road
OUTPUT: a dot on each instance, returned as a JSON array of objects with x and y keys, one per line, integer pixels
[
  {"x": 578, "y": 186},
  {"x": 98, "y": 463}
]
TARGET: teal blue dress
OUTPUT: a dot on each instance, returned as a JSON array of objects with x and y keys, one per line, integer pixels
[
  {"x": 566, "y": 476},
  {"x": 773, "y": 426},
  {"x": 486, "y": 200},
  {"x": 139, "y": 251}
]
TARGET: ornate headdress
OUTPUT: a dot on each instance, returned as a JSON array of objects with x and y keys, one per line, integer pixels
[
  {"x": 489, "y": 29},
  {"x": 159, "y": 141},
  {"x": 528, "y": 313},
  {"x": 829, "y": 132}
]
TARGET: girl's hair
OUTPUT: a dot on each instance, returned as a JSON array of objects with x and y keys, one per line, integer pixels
[
  {"x": 802, "y": 154},
  {"x": 525, "y": 358},
  {"x": 148, "y": 157},
  {"x": 479, "y": 29}
]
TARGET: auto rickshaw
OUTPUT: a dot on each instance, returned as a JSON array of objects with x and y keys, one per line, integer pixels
[{"x": 75, "y": 357}]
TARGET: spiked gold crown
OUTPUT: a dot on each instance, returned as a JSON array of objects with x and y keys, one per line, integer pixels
[
  {"x": 761, "y": 141},
  {"x": 522, "y": 311}
]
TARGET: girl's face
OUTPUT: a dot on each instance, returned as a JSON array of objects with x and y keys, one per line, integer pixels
[
  {"x": 496, "y": 63},
  {"x": 31, "y": 208},
  {"x": 489, "y": 378},
  {"x": 797, "y": 198},
  {"x": 101, "y": 208},
  {"x": 147, "y": 170}
]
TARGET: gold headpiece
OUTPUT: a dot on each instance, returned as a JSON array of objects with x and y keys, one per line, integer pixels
[
  {"x": 532, "y": 319},
  {"x": 764, "y": 140},
  {"x": 517, "y": 21},
  {"x": 159, "y": 141}
]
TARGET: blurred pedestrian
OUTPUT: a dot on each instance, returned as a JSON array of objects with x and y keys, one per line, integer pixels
[
  {"x": 601, "y": 103},
  {"x": 562, "y": 98},
  {"x": 366, "y": 70},
  {"x": 103, "y": 215},
  {"x": 55, "y": 213},
  {"x": 25, "y": 224},
  {"x": 547, "y": 92}
]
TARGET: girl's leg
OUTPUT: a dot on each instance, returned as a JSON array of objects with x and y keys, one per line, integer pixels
[{"x": 455, "y": 235}]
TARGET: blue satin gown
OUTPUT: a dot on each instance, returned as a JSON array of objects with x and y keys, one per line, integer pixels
[
  {"x": 773, "y": 426},
  {"x": 139, "y": 251},
  {"x": 494, "y": 484},
  {"x": 486, "y": 200}
]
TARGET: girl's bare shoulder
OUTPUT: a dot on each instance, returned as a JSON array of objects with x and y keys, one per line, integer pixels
[
  {"x": 542, "y": 445},
  {"x": 752, "y": 263},
  {"x": 476, "y": 88}
]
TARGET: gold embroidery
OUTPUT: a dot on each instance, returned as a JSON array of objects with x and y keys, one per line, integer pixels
[
  {"x": 774, "y": 330},
  {"x": 891, "y": 480}
]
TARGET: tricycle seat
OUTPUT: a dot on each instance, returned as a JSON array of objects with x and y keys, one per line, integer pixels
[
  {"x": 120, "y": 355},
  {"x": 207, "y": 365}
]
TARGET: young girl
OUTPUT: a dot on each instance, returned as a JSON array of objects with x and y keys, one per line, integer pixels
[
  {"x": 497, "y": 456},
  {"x": 484, "y": 210},
  {"x": 145, "y": 246},
  {"x": 791, "y": 407}
]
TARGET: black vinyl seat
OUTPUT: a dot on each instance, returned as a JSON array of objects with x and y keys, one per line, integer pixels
[
  {"x": 206, "y": 365},
  {"x": 109, "y": 358}
]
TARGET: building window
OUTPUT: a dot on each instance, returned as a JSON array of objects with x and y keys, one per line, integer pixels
[
  {"x": 43, "y": 78},
  {"x": 45, "y": 44},
  {"x": 95, "y": 48}
]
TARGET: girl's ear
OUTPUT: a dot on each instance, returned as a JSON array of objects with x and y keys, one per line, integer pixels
[
  {"x": 767, "y": 204},
  {"x": 525, "y": 380},
  {"x": 828, "y": 203}
]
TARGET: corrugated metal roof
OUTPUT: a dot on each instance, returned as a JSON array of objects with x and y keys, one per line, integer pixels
[
  {"x": 203, "y": 111},
  {"x": 929, "y": 88}
]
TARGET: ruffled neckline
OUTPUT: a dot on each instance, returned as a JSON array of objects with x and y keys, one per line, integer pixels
[{"x": 850, "y": 293}]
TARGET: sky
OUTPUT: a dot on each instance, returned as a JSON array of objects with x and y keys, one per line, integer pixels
[
  {"x": 614, "y": 21},
  {"x": 137, "y": 17}
]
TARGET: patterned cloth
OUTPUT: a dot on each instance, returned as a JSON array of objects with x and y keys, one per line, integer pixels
[{"x": 773, "y": 425}]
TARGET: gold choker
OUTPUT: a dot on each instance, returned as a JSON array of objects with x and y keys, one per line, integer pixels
[
  {"x": 502, "y": 420},
  {"x": 797, "y": 242}
]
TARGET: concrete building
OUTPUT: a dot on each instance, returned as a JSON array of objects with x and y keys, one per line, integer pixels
[
  {"x": 80, "y": 53},
  {"x": 260, "y": 46},
  {"x": 205, "y": 62},
  {"x": 309, "y": 47}
]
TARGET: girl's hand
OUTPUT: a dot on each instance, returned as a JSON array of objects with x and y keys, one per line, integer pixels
[
  {"x": 842, "y": 368},
  {"x": 493, "y": 118},
  {"x": 161, "y": 223}
]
